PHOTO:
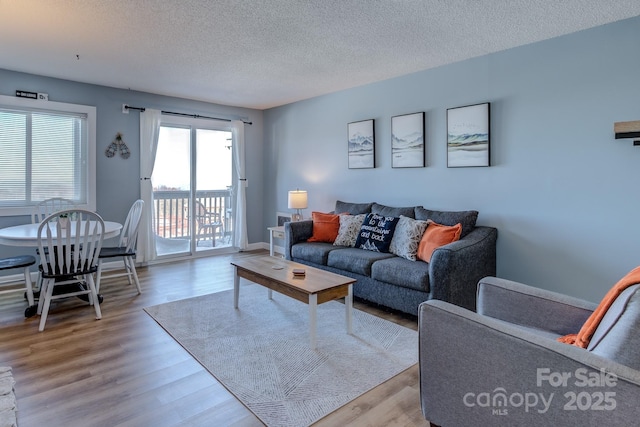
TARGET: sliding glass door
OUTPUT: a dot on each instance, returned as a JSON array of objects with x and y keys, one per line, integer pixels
[
  {"x": 212, "y": 208},
  {"x": 192, "y": 189}
]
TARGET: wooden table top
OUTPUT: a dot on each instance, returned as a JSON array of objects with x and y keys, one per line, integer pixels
[{"x": 281, "y": 270}]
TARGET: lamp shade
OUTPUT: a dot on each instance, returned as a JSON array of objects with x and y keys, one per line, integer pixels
[{"x": 297, "y": 199}]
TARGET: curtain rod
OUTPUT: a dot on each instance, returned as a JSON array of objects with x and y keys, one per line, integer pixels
[{"x": 195, "y": 116}]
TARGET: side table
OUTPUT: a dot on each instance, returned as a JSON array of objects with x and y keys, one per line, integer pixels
[{"x": 275, "y": 233}]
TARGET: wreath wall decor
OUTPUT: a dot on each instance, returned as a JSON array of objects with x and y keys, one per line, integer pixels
[{"x": 118, "y": 144}]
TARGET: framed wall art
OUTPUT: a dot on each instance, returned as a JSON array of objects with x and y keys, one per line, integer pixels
[
  {"x": 361, "y": 143},
  {"x": 407, "y": 141},
  {"x": 468, "y": 136}
]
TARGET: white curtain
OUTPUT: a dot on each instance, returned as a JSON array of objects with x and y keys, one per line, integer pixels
[
  {"x": 149, "y": 133},
  {"x": 240, "y": 240}
]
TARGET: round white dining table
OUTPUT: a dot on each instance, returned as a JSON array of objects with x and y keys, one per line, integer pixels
[{"x": 27, "y": 234}]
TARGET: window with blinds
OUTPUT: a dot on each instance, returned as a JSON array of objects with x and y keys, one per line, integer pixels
[{"x": 47, "y": 150}]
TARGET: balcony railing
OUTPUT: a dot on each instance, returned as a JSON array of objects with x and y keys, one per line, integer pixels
[{"x": 172, "y": 208}]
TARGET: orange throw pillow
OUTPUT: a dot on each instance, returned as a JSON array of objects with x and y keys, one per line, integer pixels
[
  {"x": 325, "y": 227},
  {"x": 437, "y": 235}
]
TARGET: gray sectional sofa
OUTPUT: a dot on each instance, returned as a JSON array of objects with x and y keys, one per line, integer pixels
[{"x": 396, "y": 282}]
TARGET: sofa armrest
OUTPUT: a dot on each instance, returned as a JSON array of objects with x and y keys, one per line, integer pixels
[
  {"x": 476, "y": 370},
  {"x": 296, "y": 232},
  {"x": 533, "y": 307},
  {"x": 456, "y": 268}
]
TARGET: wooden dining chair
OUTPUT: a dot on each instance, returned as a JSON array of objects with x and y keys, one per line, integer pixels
[
  {"x": 126, "y": 248},
  {"x": 23, "y": 262},
  {"x": 69, "y": 258},
  {"x": 42, "y": 210},
  {"x": 48, "y": 207}
]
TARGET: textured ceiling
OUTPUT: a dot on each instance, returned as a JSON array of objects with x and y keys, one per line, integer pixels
[{"x": 260, "y": 53}]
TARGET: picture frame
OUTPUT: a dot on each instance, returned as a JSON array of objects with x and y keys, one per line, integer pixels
[
  {"x": 407, "y": 141},
  {"x": 361, "y": 144},
  {"x": 282, "y": 218},
  {"x": 469, "y": 136}
]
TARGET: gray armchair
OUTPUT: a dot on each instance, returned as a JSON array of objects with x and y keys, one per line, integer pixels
[{"x": 503, "y": 366}]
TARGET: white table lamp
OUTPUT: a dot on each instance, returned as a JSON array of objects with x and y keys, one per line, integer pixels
[{"x": 297, "y": 201}]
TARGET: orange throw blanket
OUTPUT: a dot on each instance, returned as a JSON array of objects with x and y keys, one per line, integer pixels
[{"x": 582, "y": 338}]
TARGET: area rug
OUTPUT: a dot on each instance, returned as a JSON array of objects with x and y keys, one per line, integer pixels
[
  {"x": 8, "y": 405},
  {"x": 260, "y": 352}
]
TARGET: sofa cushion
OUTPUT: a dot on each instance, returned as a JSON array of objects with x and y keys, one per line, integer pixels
[
  {"x": 325, "y": 227},
  {"x": 435, "y": 236},
  {"x": 391, "y": 211},
  {"x": 376, "y": 233},
  {"x": 616, "y": 337},
  {"x": 315, "y": 252},
  {"x": 466, "y": 218},
  {"x": 407, "y": 237},
  {"x": 355, "y": 260},
  {"x": 402, "y": 272},
  {"x": 352, "y": 208},
  {"x": 349, "y": 229}
]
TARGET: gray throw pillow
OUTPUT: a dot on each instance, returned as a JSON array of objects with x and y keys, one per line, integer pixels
[
  {"x": 406, "y": 238},
  {"x": 466, "y": 218},
  {"x": 349, "y": 229}
]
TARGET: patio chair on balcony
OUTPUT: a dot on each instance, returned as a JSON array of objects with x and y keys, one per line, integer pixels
[{"x": 208, "y": 224}]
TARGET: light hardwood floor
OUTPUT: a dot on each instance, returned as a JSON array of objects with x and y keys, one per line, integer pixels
[{"x": 124, "y": 370}]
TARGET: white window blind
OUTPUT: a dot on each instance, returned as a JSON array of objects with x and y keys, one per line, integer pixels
[{"x": 47, "y": 150}]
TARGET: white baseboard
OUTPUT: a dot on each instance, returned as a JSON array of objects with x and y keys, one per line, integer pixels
[{"x": 263, "y": 245}]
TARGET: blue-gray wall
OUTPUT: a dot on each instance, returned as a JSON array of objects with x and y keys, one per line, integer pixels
[
  {"x": 563, "y": 193},
  {"x": 118, "y": 179}
]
